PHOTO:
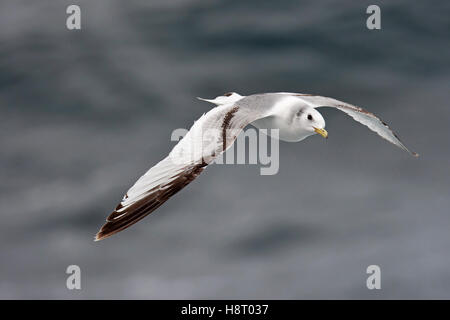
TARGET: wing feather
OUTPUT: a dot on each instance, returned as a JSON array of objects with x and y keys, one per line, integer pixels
[
  {"x": 360, "y": 115},
  {"x": 212, "y": 134},
  {"x": 125, "y": 216}
]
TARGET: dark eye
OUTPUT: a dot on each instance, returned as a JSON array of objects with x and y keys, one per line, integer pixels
[{"x": 309, "y": 117}]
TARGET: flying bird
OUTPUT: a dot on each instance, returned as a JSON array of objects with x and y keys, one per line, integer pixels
[{"x": 295, "y": 116}]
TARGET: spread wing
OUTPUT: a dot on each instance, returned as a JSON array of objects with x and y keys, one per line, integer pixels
[
  {"x": 359, "y": 114},
  {"x": 153, "y": 189},
  {"x": 212, "y": 134}
]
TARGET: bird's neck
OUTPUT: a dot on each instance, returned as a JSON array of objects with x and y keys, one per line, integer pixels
[{"x": 285, "y": 131}]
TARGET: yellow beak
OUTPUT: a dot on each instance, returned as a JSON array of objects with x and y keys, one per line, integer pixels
[{"x": 322, "y": 132}]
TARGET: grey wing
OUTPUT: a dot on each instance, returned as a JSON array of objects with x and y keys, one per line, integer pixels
[{"x": 358, "y": 114}]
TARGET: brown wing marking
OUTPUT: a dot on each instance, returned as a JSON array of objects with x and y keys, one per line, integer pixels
[
  {"x": 120, "y": 220},
  {"x": 226, "y": 125}
]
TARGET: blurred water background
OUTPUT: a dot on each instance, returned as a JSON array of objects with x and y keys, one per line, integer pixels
[{"x": 85, "y": 113}]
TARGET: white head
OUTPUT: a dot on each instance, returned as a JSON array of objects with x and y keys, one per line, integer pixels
[
  {"x": 308, "y": 121},
  {"x": 297, "y": 120},
  {"x": 294, "y": 119}
]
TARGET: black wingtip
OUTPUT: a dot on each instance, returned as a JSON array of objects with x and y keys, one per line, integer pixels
[
  {"x": 109, "y": 229},
  {"x": 101, "y": 235}
]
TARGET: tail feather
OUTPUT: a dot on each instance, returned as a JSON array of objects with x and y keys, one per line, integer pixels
[{"x": 227, "y": 98}]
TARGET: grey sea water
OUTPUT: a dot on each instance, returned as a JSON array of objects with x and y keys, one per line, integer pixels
[{"x": 85, "y": 113}]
